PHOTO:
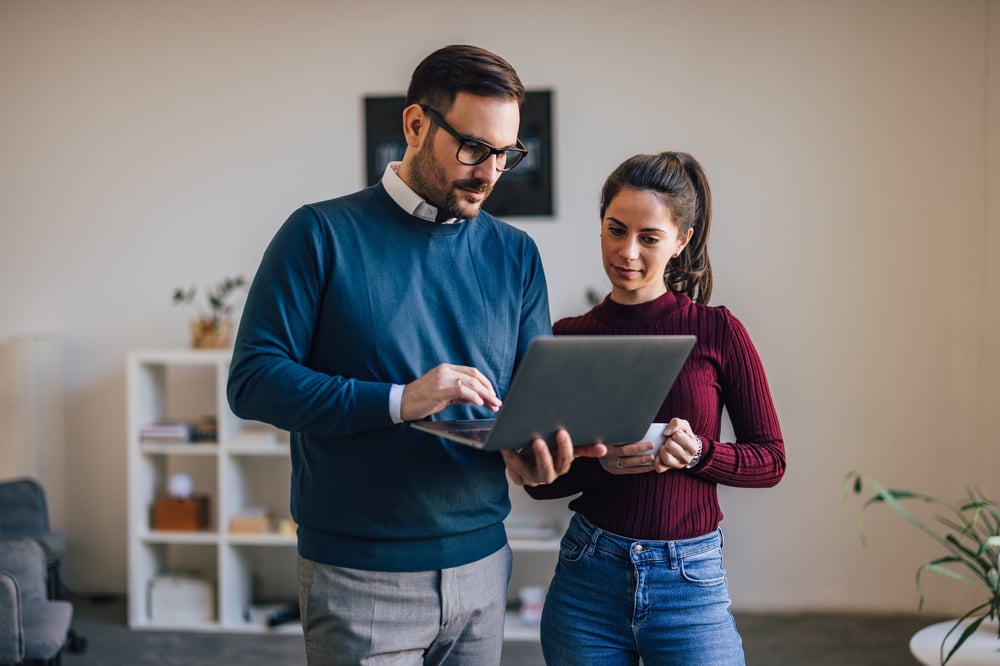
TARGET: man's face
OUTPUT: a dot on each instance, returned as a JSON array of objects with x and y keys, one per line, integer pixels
[{"x": 456, "y": 189}]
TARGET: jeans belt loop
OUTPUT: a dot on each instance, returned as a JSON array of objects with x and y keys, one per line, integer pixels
[
  {"x": 594, "y": 536},
  {"x": 672, "y": 554}
]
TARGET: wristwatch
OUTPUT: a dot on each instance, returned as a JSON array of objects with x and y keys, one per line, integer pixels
[{"x": 697, "y": 456}]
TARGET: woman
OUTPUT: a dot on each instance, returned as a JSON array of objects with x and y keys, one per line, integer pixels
[{"x": 640, "y": 569}]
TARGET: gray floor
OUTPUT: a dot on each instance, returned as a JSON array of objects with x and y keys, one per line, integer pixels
[{"x": 800, "y": 639}]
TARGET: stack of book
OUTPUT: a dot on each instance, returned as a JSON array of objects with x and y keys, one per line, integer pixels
[
  {"x": 252, "y": 520},
  {"x": 165, "y": 432}
]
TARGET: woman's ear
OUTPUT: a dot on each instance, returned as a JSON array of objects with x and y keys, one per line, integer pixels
[
  {"x": 682, "y": 242},
  {"x": 415, "y": 125}
]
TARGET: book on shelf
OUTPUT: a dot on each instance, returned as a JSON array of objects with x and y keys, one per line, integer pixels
[
  {"x": 202, "y": 430},
  {"x": 251, "y": 520},
  {"x": 165, "y": 432}
]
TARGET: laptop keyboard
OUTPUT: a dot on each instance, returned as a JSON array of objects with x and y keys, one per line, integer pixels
[{"x": 478, "y": 434}]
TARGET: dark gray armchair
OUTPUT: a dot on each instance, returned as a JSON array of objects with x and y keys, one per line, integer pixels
[
  {"x": 24, "y": 512},
  {"x": 33, "y": 629}
]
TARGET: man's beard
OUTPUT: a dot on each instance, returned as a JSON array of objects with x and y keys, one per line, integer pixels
[{"x": 430, "y": 182}]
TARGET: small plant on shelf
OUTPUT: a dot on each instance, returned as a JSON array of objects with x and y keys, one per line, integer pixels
[
  {"x": 213, "y": 326},
  {"x": 968, "y": 530}
]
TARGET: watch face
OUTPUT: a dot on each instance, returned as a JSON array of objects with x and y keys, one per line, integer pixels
[{"x": 694, "y": 461}]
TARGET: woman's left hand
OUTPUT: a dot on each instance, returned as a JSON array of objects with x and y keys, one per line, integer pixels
[
  {"x": 679, "y": 448},
  {"x": 633, "y": 458}
]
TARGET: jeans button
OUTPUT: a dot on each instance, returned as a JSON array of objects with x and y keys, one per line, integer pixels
[{"x": 637, "y": 548}]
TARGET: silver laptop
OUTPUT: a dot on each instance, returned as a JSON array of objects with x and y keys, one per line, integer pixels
[{"x": 599, "y": 388}]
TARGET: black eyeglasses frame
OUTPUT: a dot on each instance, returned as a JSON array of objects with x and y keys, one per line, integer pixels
[{"x": 518, "y": 153}]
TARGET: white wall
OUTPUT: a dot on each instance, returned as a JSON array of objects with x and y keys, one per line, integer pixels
[
  {"x": 32, "y": 433},
  {"x": 852, "y": 148}
]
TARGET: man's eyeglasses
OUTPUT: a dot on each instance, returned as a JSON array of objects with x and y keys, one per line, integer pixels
[{"x": 473, "y": 151}]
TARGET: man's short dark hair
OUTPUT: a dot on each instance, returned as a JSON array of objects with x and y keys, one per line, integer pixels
[{"x": 462, "y": 68}]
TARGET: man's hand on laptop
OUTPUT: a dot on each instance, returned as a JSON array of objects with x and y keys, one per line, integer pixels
[
  {"x": 538, "y": 465},
  {"x": 446, "y": 385}
]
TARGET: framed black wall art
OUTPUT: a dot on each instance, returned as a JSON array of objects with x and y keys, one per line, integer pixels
[{"x": 522, "y": 192}]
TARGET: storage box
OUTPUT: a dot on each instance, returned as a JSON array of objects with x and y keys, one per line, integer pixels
[
  {"x": 250, "y": 524},
  {"x": 183, "y": 599},
  {"x": 170, "y": 513}
]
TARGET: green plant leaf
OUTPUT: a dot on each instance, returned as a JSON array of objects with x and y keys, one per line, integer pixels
[
  {"x": 216, "y": 299},
  {"x": 936, "y": 567},
  {"x": 966, "y": 632},
  {"x": 968, "y": 530}
]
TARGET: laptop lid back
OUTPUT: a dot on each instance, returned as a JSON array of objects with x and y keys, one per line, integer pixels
[{"x": 600, "y": 388}]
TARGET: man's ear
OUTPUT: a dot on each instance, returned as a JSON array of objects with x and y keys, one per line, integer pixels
[{"x": 416, "y": 124}]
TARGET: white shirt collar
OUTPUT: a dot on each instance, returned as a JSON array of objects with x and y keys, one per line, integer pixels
[{"x": 407, "y": 199}]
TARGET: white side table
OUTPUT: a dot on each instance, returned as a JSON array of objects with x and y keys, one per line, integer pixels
[{"x": 980, "y": 649}]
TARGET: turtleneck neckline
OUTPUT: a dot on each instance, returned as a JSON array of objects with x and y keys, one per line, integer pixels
[{"x": 656, "y": 309}]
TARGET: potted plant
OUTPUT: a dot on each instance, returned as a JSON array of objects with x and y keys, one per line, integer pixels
[
  {"x": 968, "y": 530},
  {"x": 213, "y": 327}
]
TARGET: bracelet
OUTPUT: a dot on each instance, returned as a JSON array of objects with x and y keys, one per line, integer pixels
[{"x": 697, "y": 456}]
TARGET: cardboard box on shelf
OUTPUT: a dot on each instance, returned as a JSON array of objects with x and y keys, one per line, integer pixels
[
  {"x": 170, "y": 513},
  {"x": 181, "y": 598}
]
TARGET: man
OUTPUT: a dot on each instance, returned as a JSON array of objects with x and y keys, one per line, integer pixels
[{"x": 386, "y": 306}]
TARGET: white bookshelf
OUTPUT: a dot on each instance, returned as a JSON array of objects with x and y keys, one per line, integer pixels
[{"x": 248, "y": 466}]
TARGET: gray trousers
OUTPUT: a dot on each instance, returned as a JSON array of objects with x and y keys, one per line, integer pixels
[{"x": 381, "y": 618}]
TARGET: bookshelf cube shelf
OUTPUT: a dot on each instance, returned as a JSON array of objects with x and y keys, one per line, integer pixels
[
  {"x": 244, "y": 468},
  {"x": 179, "y": 422}
]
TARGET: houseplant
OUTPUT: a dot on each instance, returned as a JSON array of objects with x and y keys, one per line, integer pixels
[
  {"x": 968, "y": 530},
  {"x": 213, "y": 327}
]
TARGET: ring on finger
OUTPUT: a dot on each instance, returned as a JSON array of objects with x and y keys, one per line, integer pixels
[{"x": 619, "y": 464}]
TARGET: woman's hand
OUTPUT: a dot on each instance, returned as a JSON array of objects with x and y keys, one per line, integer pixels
[
  {"x": 679, "y": 448},
  {"x": 633, "y": 458}
]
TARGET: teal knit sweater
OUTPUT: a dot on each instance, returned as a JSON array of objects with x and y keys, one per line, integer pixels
[{"x": 352, "y": 296}]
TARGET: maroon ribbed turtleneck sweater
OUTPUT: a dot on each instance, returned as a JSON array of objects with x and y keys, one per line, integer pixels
[{"x": 723, "y": 370}]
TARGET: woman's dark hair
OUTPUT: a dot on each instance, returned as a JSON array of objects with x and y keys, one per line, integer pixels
[
  {"x": 679, "y": 180},
  {"x": 462, "y": 68}
]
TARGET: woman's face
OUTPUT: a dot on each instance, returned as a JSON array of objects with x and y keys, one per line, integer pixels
[{"x": 638, "y": 238}]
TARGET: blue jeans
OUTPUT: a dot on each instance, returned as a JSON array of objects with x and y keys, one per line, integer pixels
[{"x": 614, "y": 599}]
